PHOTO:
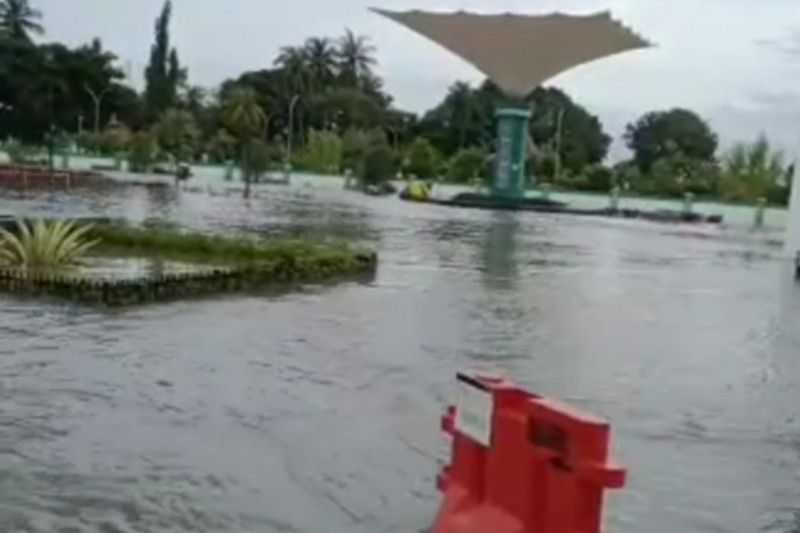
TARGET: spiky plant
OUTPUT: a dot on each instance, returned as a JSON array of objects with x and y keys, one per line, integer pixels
[{"x": 44, "y": 245}]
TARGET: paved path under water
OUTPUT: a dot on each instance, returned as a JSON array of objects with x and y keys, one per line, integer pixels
[{"x": 317, "y": 411}]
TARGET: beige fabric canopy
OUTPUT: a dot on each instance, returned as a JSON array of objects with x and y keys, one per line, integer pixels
[{"x": 520, "y": 52}]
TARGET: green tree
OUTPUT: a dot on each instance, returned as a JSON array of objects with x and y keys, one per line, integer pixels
[
  {"x": 378, "y": 165},
  {"x": 221, "y": 146},
  {"x": 463, "y": 110},
  {"x": 243, "y": 116},
  {"x": 293, "y": 62},
  {"x": 142, "y": 151},
  {"x": 466, "y": 118},
  {"x": 667, "y": 133},
  {"x": 422, "y": 159},
  {"x": 271, "y": 92},
  {"x": 115, "y": 138},
  {"x": 18, "y": 19},
  {"x": 163, "y": 74},
  {"x": 320, "y": 55},
  {"x": 347, "y": 108},
  {"x": 356, "y": 144},
  {"x": 467, "y": 165},
  {"x": 755, "y": 170},
  {"x": 47, "y": 85},
  {"x": 178, "y": 134},
  {"x": 574, "y": 136},
  {"x": 356, "y": 58},
  {"x": 323, "y": 152},
  {"x": 193, "y": 99}
]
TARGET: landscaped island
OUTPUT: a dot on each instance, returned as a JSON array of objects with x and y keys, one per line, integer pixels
[{"x": 115, "y": 264}]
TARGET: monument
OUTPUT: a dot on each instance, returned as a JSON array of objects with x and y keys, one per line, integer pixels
[{"x": 519, "y": 53}]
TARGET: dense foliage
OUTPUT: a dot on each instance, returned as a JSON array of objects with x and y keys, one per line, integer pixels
[
  {"x": 164, "y": 74},
  {"x": 467, "y": 166},
  {"x": 320, "y": 106},
  {"x": 662, "y": 134}
]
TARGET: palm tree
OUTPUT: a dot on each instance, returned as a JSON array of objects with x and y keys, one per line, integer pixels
[
  {"x": 462, "y": 108},
  {"x": 356, "y": 57},
  {"x": 18, "y": 19},
  {"x": 244, "y": 118},
  {"x": 293, "y": 61},
  {"x": 320, "y": 56}
]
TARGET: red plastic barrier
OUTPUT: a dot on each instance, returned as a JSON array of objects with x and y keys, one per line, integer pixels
[{"x": 532, "y": 466}]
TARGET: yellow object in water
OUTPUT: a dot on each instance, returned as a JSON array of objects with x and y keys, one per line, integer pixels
[{"x": 419, "y": 191}]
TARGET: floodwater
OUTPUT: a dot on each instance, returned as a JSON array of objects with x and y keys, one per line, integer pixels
[{"x": 317, "y": 410}]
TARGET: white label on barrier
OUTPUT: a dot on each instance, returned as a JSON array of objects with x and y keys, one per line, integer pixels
[{"x": 474, "y": 412}]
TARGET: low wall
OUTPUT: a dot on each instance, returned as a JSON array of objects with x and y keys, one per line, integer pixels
[
  {"x": 36, "y": 176},
  {"x": 115, "y": 293}
]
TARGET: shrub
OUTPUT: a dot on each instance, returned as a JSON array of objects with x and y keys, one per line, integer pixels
[
  {"x": 44, "y": 244},
  {"x": 323, "y": 152},
  {"x": 599, "y": 178},
  {"x": 422, "y": 159},
  {"x": 356, "y": 144},
  {"x": 222, "y": 146},
  {"x": 466, "y": 166},
  {"x": 114, "y": 139},
  {"x": 178, "y": 133},
  {"x": 142, "y": 153},
  {"x": 378, "y": 165},
  {"x": 752, "y": 171}
]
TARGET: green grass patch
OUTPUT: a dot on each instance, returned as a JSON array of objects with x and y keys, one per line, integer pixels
[{"x": 262, "y": 259}]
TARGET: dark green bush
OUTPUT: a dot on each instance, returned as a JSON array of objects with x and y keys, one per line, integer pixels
[
  {"x": 599, "y": 178},
  {"x": 466, "y": 166},
  {"x": 378, "y": 165},
  {"x": 142, "y": 152},
  {"x": 422, "y": 159}
]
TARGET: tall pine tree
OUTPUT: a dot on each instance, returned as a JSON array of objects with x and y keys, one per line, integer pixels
[{"x": 164, "y": 74}]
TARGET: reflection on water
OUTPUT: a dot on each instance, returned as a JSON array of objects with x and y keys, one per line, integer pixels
[
  {"x": 134, "y": 268},
  {"x": 499, "y": 264},
  {"x": 317, "y": 410}
]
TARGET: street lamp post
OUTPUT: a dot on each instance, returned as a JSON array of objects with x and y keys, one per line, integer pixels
[
  {"x": 98, "y": 100},
  {"x": 288, "y": 167}
]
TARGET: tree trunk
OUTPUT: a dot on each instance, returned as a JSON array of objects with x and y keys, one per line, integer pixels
[{"x": 245, "y": 172}]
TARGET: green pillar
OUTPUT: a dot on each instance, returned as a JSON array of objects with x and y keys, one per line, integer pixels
[{"x": 512, "y": 151}]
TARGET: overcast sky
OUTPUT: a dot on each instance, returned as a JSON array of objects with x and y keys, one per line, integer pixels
[{"x": 736, "y": 62}]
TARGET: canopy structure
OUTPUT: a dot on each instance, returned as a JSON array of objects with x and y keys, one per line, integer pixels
[{"x": 520, "y": 52}]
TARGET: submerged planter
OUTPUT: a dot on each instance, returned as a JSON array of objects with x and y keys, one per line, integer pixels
[
  {"x": 132, "y": 265},
  {"x": 89, "y": 289}
]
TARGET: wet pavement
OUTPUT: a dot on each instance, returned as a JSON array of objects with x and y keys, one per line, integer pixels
[{"x": 317, "y": 410}]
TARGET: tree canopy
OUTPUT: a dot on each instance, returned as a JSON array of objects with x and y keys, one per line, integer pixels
[
  {"x": 466, "y": 118},
  {"x": 327, "y": 92},
  {"x": 46, "y": 85},
  {"x": 18, "y": 20},
  {"x": 163, "y": 75},
  {"x": 663, "y": 133}
]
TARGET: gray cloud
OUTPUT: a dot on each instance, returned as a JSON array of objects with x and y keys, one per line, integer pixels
[{"x": 789, "y": 45}]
